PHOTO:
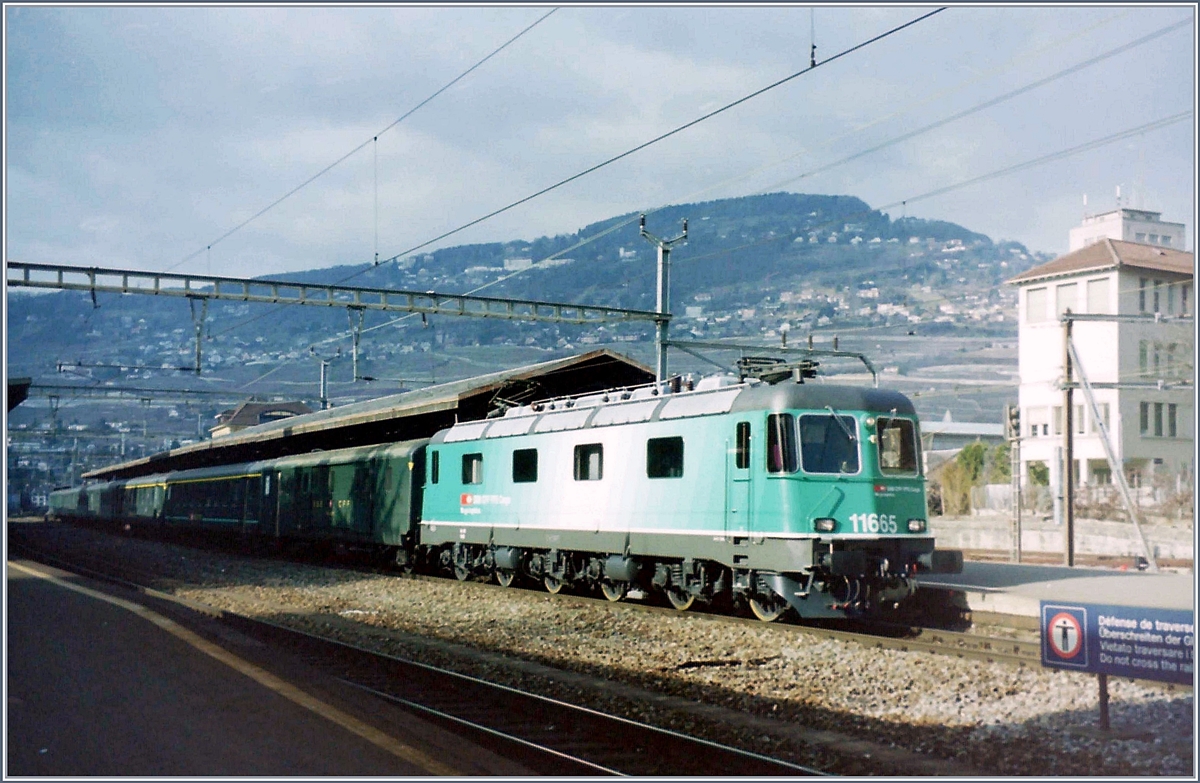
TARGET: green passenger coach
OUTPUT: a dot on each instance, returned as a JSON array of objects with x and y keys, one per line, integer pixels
[{"x": 806, "y": 496}]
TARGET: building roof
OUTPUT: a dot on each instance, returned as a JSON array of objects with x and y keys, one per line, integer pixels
[
  {"x": 1111, "y": 254},
  {"x": 249, "y": 414},
  {"x": 397, "y": 417}
]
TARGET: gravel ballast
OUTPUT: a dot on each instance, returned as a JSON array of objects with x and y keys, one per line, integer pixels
[{"x": 783, "y": 691}]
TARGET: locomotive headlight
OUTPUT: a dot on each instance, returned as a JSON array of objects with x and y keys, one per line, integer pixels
[
  {"x": 825, "y": 524},
  {"x": 916, "y": 526}
]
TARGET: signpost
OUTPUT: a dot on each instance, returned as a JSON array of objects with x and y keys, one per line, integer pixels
[{"x": 1122, "y": 641}]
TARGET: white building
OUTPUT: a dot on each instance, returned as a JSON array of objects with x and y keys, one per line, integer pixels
[
  {"x": 1130, "y": 225},
  {"x": 1152, "y": 429}
]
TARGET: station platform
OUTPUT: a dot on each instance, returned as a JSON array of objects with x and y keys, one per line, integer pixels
[
  {"x": 1017, "y": 589},
  {"x": 101, "y": 684}
]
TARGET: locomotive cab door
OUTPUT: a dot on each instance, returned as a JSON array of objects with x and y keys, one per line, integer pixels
[{"x": 737, "y": 480}]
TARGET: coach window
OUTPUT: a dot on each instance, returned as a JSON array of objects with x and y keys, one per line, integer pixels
[
  {"x": 828, "y": 443},
  {"x": 897, "y": 446},
  {"x": 472, "y": 469},
  {"x": 781, "y": 443},
  {"x": 433, "y": 467},
  {"x": 742, "y": 454},
  {"x": 664, "y": 457},
  {"x": 589, "y": 462},
  {"x": 524, "y": 466}
]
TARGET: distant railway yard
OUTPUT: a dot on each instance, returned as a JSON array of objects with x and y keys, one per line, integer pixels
[{"x": 798, "y": 699}]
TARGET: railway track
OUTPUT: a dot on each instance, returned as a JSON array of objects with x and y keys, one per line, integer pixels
[
  {"x": 890, "y": 636},
  {"x": 546, "y": 735}
]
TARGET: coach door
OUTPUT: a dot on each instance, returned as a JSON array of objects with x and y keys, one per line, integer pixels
[{"x": 737, "y": 483}]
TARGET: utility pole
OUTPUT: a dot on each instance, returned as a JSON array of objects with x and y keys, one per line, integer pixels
[
  {"x": 662, "y": 304},
  {"x": 1012, "y": 416},
  {"x": 356, "y": 328},
  {"x": 199, "y": 324},
  {"x": 325, "y": 362},
  {"x": 1068, "y": 467}
]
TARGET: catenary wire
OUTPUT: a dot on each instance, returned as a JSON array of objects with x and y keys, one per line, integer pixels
[
  {"x": 625, "y": 154},
  {"x": 352, "y": 152},
  {"x": 663, "y": 136},
  {"x": 1087, "y": 146}
]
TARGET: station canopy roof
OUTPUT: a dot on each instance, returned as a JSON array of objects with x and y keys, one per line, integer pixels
[{"x": 397, "y": 417}]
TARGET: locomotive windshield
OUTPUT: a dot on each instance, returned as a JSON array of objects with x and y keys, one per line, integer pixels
[
  {"x": 828, "y": 443},
  {"x": 897, "y": 446}
]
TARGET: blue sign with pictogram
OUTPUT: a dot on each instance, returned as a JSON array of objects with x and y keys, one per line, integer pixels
[{"x": 1122, "y": 641}]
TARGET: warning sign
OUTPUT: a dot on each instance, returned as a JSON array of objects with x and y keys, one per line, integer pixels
[
  {"x": 1063, "y": 640},
  {"x": 1122, "y": 641}
]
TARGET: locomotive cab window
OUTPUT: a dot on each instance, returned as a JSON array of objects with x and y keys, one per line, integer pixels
[
  {"x": 741, "y": 457},
  {"x": 472, "y": 469},
  {"x": 433, "y": 467},
  {"x": 589, "y": 462},
  {"x": 897, "y": 446},
  {"x": 781, "y": 443},
  {"x": 664, "y": 457},
  {"x": 828, "y": 443},
  {"x": 524, "y": 466}
]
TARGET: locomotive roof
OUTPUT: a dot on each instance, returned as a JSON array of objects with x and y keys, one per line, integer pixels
[
  {"x": 645, "y": 404},
  {"x": 818, "y": 395}
]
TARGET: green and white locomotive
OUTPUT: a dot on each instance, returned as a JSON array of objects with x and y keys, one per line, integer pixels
[
  {"x": 779, "y": 496},
  {"x": 776, "y": 496}
]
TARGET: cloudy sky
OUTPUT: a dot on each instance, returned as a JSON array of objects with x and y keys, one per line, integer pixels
[{"x": 137, "y": 137}]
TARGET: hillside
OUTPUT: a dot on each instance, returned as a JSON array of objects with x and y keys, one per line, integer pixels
[{"x": 749, "y": 264}]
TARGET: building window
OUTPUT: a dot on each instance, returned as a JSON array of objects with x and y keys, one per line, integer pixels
[
  {"x": 1172, "y": 414},
  {"x": 1079, "y": 419},
  {"x": 1066, "y": 298},
  {"x": 1157, "y": 357},
  {"x": 1103, "y": 406},
  {"x": 1157, "y": 306},
  {"x": 589, "y": 462},
  {"x": 1143, "y": 357},
  {"x": 472, "y": 469},
  {"x": 742, "y": 455},
  {"x": 1183, "y": 298},
  {"x": 1166, "y": 240},
  {"x": 1158, "y": 419},
  {"x": 1056, "y": 417},
  {"x": 1170, "y": 298},
  {"x": 524, "y": 466},
  {"x": 1141, "y": 294},
  {"x": 1097, "y": 296},
  {"x": 782, "y": 456},
  {"x": 1139, "y": 236},
  {"x": 1035, "y": 305},
  {"x": 664, "y": 457},
  {"x": 1154, "y": 239}
]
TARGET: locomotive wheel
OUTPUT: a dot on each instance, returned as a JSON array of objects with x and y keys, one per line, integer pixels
[
  {"x": 554, "y": 585},
  {"x": 614, "y": 591},
  {"x": 768, "y": 608},
  {"x": 505, "y": 578},
  {"x": 461, "y": 573},
  {"x": 680, "y": 599}
]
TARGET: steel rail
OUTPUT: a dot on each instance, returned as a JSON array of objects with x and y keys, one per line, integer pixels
[{"x": 236, "y": 289}]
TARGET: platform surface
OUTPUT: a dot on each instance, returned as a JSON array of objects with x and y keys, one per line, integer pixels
[
  {"x": 97, "y": 689},
  {"x": 1017, "y": 588}
]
